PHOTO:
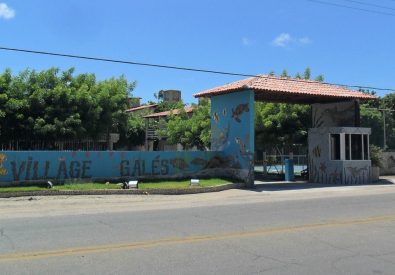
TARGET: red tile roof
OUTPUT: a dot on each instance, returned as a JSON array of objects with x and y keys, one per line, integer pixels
[
  {"x": 167, "y": 113},
  {"x": 291, "y": 90},
  {"x": 141, "y": 107}
]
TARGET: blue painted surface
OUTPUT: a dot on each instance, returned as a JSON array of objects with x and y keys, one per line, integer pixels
[
  {"x": 231, "y": 155},
  {"x": 232, "y": 130},
  {"x": 33, "y": 166},
  {"x": 289, "y": 170}
]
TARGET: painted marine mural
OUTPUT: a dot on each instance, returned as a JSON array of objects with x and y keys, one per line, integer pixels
[
  {"x": 340, "y": 114},
  {"x": 24, "y": 167},
  {"x": 234, "y": 139}
]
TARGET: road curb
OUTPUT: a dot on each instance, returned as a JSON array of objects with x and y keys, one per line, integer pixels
[{"x": 176, "y": 191}]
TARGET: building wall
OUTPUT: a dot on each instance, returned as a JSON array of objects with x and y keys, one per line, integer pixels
[
  {"x": 232, "y": 131},
  {"x": 24, "y": 167},
  {"x": 339, "y": 114}
]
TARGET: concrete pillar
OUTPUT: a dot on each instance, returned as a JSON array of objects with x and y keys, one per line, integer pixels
[{"x": 232, "y": 131}]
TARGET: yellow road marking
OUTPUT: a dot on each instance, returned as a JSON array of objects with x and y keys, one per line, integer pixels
[{"x": 189, "y": 239}]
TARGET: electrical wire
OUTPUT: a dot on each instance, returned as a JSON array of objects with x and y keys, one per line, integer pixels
[
  {"x": 352, "y": 7},
  {"x": 370, "y": 4},
  {"x": 178, "y": 67}
]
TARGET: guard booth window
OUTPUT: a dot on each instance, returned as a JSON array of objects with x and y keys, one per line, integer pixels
[
  {"x": 335, "y": 146},
  {"x": 353, "y": 147},
  {"x": 356, "y": 147}
]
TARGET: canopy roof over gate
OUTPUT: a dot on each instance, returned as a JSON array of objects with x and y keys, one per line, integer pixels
[{"x": 288, "y": 90}]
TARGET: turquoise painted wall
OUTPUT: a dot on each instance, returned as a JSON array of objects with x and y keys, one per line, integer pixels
[
  {"x": 232, "y": 130},
  {"x": 231, "y": 155},
  {"x": 60, "y": 166}
]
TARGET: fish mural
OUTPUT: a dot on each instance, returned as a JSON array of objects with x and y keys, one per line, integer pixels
[
  {"x": 222, "y": 138},
  {"x": 199, "y": 162},
  {"x": 3, "y": 171},
  {"x": 240, "y": 109},
  {"x": 216, "y": 117},
  {"x": 317, "y": 151},
  {"x": 219, "y": 162},
  {"x": 242, "y": 145},
  {"x": 179, "y": 163}
]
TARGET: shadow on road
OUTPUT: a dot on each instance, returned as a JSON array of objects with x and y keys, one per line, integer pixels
[{"x": 300, "y": 185}]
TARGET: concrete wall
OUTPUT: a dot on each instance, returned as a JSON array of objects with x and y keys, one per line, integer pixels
[
  {"x": 388, "y": 161},
  {"x": 339, "y": 114},
  {"x": 232, "y": 130},
  {"x": 24, "y": 167}
]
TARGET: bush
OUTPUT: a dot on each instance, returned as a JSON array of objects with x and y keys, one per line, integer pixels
[{"x": 376, "y": 155}]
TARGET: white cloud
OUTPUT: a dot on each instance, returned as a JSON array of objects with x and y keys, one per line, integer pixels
[
  {"x": 285, "y": 39},
  {"x": 246, "y": 42},
  {"x": 282, "y": 40},
  {"x": 304, "y": 40},
  {"x": 6, "y": 12}
]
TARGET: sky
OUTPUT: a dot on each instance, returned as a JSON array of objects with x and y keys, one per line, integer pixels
[{"x": 347, "y": 46}]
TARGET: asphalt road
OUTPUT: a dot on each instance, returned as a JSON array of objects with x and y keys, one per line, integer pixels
[{"x": 271, "y": 230}]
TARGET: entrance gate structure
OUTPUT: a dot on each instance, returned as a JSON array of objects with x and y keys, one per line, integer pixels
[{"x": 338, "y": 147}]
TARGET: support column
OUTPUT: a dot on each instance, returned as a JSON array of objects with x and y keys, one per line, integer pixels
[{"x": 232, "y": 131}]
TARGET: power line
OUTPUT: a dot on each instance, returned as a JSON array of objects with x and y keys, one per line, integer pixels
[
  {"x": 369, "y": 4},
  {"x": 352, "y": 7},
  {"x": 178, "y": 67}
]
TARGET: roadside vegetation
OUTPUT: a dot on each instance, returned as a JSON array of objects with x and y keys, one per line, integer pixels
[{"x": 113, "y": 186}]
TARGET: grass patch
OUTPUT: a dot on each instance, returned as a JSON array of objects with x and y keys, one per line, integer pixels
[
  {"x": 21, "y": 189},
  {"x": 101, "y": 186},
  {"x": 180, "y": 184},
  {"x": 72, "y": 186},
  {"x": 87, "y": 186}
]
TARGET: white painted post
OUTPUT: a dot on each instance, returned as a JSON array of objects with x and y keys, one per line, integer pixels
[{"x": 342, "y": 146}]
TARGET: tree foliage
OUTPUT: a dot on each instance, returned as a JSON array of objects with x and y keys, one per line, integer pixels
[
  {"x": 54, "y": 104},
  {"x": 190, "y": 130},
  {"x": 372, "y": 117},
  {"x": 281, "y": 124}
]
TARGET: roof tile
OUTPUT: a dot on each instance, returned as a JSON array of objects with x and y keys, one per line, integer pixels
[{"x": 268, "y": 87}]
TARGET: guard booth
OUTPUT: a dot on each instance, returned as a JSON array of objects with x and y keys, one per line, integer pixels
[{"x": 338, "y": 148}]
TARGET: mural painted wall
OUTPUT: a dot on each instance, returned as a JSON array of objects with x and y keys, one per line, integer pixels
[
  {"x": 339, "y": 114},
  {"x": 18, "y": 167},
  {"x": 232, "y": 131},
  {"x": 323, "y": 169}
]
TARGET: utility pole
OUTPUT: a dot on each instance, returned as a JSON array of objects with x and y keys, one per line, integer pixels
[{"x": 384, "y": 124}]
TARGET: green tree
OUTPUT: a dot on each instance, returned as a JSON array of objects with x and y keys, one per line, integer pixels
[
  {"x": 284, "y": 73},
  {"x": 135, "y": 132},
  {"x": 281, "y": 124},
  {"x": 192, "y": 130},
  {"x": 112, "y": 97},
  {"x": 307, "y": 73},
  {"x": 53, "y": 104},
  {"x": 319, "y": 78}
]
